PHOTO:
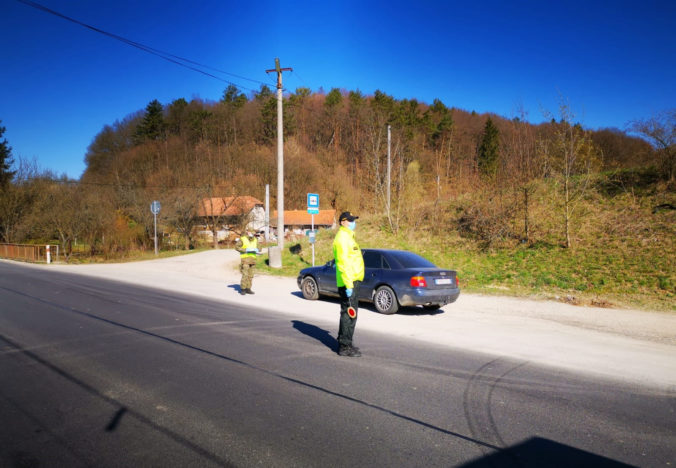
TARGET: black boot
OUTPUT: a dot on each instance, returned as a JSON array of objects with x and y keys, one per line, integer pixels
[
  {"x": 249, "y": 291},
  {"x": 242, "y": 291},
  {"x": 349, "y": 351}
]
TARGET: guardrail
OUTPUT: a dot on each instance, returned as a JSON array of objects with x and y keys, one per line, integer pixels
[{"x": 29, "y": 252}]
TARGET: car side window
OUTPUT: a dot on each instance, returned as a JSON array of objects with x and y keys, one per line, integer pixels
[
  {"x": 372, "y": 260},
  {"x": 386, "y": 266}
]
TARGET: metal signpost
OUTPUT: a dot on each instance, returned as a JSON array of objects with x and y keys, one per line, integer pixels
[
  {"x": 313, "y": 209},
  {"x": 155, "y": 210}
]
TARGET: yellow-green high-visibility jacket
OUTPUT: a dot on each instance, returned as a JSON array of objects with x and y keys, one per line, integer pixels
[
  {"x": 349, "y": 261},
  {"x": 247, "y": 244}
]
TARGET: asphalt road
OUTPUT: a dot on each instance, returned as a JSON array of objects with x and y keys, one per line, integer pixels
[{"x": 101, "y": 373}]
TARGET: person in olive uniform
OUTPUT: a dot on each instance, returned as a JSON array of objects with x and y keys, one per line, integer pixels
[
  {"x": 247, "y": 246},
  {"x": 349, "y": 275}
]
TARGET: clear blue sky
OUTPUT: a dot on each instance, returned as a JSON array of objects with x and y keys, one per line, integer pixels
[{"x": 613, "y": 61}]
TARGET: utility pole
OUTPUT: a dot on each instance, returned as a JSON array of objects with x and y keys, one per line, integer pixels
[
  {"x": 389, "y": 169},
  {"x": 280, "y": 156},
  {"x": 267, "y": 213}
]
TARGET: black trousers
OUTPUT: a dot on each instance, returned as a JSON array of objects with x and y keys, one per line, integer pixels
[{"x": 347, "y": 323}]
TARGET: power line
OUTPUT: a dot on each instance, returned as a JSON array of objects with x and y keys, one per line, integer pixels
[{"x": 175, "y": 59}]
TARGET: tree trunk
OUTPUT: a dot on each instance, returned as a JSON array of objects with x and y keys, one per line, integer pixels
[
  {"x": 525, "y": 214},
  {"x": 567, "y": 212}
]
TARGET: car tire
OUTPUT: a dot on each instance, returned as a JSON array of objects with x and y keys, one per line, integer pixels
[
  {"x": 309, "y": 288},
  {"x": 385, "y": 301},
  {"x": 431, "y": 307}
]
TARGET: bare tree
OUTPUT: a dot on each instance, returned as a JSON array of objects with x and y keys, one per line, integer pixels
[
  {"x": 573, "y": 155},
  {"x": 661, "y": 131},
  {"x": 64, "y": 209},
  {"x": 16, "y": 200},
  {"x": 182, "y": 212},
  {"x": 522, "y": 165}
]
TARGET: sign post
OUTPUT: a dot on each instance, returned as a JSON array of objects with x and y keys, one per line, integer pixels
[
  {"x": 313, "y": 209},
  {"x": 155, "y": 210}
]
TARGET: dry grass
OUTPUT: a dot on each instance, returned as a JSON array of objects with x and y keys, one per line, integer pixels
[{"x": 623, "y": 253}]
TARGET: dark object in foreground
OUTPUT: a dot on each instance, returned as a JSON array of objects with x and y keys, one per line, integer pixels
[
  {"x": 349, "y": 351},
  {"x": 392, "y": 279}
]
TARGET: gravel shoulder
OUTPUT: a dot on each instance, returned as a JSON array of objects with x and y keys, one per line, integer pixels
[{"x": 630, "y": 345}]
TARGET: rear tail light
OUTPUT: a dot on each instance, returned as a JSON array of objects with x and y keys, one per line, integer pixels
[
  {"x": 457, "y": 281},
  {"x": 418, "y": 282}
]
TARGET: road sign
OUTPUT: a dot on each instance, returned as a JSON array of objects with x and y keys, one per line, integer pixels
[
  {"x": 155, "y": 210},
  {"x": 312, "y": 203}
]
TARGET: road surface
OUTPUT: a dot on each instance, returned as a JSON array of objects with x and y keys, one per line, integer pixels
[{"x": 108, "y": 373}]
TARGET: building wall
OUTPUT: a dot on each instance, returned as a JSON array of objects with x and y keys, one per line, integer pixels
[{"x": 256, "y": 219}]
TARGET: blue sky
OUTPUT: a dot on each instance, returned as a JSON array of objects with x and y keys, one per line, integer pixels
[{"x": 613, "y": 61}]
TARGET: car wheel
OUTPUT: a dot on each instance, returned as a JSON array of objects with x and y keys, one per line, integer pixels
[
  {"x": 309, "y": 288},
  {"x": 385, "y": 300},
  {"x": 431, "y": 307}
]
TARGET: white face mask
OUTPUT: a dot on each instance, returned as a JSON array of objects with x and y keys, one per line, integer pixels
[{"x": 352, "y": 225}]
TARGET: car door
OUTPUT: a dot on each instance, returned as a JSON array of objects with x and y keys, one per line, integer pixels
[
  {"x": 373, "y": 261},
  {"x": 327, "y": 278}
]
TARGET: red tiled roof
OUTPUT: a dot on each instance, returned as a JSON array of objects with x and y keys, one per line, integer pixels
[
  {"x": 302, "y": 218},
  {"x": 227, "y": 206}
]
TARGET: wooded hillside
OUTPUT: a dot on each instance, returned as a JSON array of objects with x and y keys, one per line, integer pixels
[{"x": 490, "y": 180}]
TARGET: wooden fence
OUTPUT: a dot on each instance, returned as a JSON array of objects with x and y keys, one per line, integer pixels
[{"x": 29, "y": 253}]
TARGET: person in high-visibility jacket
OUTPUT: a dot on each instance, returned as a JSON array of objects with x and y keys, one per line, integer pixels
[
  {"x": 247, "y": 246},
  {"x": 349, "y": 275}
]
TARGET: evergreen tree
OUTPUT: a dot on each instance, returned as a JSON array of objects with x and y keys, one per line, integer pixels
[
  {"x": 489, "y": 150},
  {"x": 233, "y": 96},
  {"x": 268, "y": 115},
  {"x": 153, "y": 126},
  {"x": 5, "y": 160}
]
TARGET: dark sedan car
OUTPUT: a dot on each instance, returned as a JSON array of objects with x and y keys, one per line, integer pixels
[{"x": 392, "y": 278}]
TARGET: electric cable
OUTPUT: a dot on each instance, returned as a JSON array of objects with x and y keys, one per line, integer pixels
[{"x": 183, "y": 62}]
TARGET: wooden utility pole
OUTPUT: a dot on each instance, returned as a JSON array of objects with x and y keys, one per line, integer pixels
[{"x": 280, "y": 156}]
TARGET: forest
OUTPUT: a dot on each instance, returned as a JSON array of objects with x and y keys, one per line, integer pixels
[{"x": 481, "y": 184}]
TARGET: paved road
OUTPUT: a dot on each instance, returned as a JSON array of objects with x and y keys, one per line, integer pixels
[{"x": 103, "y": 373}]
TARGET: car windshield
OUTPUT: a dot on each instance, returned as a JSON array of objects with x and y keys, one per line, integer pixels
[{"x": 411, "y": 260}]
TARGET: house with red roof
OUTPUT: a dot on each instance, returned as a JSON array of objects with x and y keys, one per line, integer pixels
[
  {"x": 299, "y": 221},
  {"x": 223, "y": 215}
]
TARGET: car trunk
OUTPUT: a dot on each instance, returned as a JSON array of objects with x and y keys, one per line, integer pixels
[{"x": 439, "y": 279}]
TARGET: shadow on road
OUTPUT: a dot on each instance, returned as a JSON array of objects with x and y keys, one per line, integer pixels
[
  {"x": 537, "y": 452},
  {"x": 370, "y": 307},
  {"x": 317, "y": 333},
  {"x": 235, "y": 287}
]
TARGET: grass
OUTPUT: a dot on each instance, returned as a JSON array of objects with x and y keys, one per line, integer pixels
[
  {"x": 79, "y": 257},
  {"x": 586, "y": 276},
  {"x": 623, "y": 254}
]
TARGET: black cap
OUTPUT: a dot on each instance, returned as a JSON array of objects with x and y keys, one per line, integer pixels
[{"x": 346, "y": 215}]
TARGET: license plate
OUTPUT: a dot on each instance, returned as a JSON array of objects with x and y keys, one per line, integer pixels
[{"x": 443, "y": 281}]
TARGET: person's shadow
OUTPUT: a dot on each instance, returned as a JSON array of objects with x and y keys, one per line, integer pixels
[
  {"x": 317, "y": 333},
  {"x": 235, "y": 287}
]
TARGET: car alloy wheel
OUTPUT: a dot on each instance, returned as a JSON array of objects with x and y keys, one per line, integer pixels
[
  {"x": 385, "y": 300},
  {"x": 309, "y": 288}
]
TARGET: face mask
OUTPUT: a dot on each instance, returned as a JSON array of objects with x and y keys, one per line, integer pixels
[{"x": 352, "y": 225}]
